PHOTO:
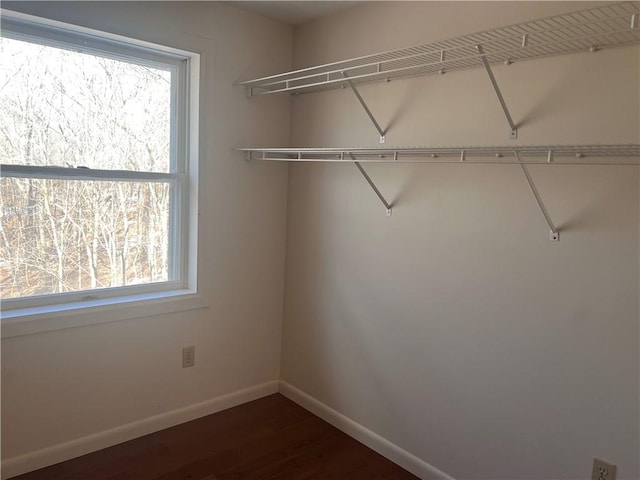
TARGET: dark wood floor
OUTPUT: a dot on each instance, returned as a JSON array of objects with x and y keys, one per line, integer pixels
[{"x": 270, "y": 438}]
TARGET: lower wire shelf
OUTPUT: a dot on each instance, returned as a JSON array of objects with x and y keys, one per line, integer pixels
[
  {"x": 628, "y": 154},
  {"x": 520, "y": 155}
]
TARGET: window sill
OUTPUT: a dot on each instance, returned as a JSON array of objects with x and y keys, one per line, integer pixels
[{"x": 29, "y": 321}]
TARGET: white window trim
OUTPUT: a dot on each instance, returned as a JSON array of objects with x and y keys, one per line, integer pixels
[{"x": 120, "y": 303}]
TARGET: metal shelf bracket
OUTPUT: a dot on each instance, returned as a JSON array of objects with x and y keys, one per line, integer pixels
[
  {"x": 513, "y": 132},
  {"x": 371, "y": 184},
  {"x": 364, "y": 105},
  {"x": 554, "y": 234}
]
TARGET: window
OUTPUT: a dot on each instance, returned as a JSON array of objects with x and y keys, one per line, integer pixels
[{"x": 99, "y": 162}]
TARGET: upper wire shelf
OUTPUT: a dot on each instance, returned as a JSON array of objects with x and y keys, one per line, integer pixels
[{"x": 609, "y": 26}]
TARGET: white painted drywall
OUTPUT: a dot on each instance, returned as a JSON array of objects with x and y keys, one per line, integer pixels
[
  {"x": 454, "y": 328},
  {"x": 63, "y": 385}
]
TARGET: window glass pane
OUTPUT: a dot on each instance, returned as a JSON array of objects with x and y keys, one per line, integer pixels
[
  {"x": 64, "y": 108},
  {"x": 69, "y": 235}
]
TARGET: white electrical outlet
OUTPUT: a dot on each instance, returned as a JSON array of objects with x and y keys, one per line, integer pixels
[
  {"x": 188, "y": 356},
  {"x": 603, "y": 470}
]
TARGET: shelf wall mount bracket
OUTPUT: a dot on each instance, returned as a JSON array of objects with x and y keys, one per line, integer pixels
[
  {"x": 513, "y": 129},
  {"x": 554, "y": 234},
  {"x": 354, "y": 89},
  {"x": 387, "y": 205}
]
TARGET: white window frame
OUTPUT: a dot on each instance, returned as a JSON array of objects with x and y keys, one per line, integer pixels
[{"x": 62, "y": 310}]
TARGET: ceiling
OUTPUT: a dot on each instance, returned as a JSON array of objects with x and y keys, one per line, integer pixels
[{"x": 294, "y": 12}]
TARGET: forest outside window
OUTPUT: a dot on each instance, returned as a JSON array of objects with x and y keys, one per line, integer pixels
[{"x": 98, "y": 166}]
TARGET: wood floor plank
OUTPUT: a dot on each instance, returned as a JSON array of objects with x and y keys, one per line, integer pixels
[{"x": 269, "y": 439}]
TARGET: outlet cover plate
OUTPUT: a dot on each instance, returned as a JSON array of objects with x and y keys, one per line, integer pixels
[
  {"x": 188, "y": 356},
  {"x": 603, "y": 470}
]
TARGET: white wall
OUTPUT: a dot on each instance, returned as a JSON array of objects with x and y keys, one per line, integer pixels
[
  {"x": 454, "y": 328},
  {"x": 61, "y": 386}
]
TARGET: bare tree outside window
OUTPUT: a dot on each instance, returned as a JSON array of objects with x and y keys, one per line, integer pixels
[{"x": 62, "y": 108}]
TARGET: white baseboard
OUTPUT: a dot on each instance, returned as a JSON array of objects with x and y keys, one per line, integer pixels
[
  {"x": 107, "y": 438},
  {"x": 371, "y": 439}
]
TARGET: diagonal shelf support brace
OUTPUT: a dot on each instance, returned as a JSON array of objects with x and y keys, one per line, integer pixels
[
  {"x": 364, "y": 105},
  {"x": 554, "y": 234},
  {"x": 371, "y": 184},
  {"x": 513, "y": 133}
]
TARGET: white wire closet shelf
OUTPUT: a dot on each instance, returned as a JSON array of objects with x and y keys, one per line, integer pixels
[
  {"x": 609, "y": 26},
  {"x": 531, "y": 154}
]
